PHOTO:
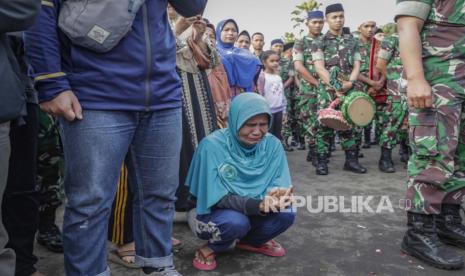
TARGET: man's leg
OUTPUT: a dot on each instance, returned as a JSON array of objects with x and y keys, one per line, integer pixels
[
  {"x": 434, "y": 137},
  {"x": 154, "y": 177},
  {"x": 7, "y": 255},
  {"x": 21, "y": 199},
  {"x": 94, "y": 150}
]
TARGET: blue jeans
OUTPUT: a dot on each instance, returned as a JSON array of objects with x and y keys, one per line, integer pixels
[
  {"x": 222, "y": 227},
  {"x": 94, "y": 150}
]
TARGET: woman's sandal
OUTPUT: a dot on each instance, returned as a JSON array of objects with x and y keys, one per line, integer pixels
[
  {"x": 116, "y": 257},
  {"x": 271, "y": 248},
  {"x": 197, "y": 263}
]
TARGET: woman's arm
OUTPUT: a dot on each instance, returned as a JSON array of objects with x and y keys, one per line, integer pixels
[{"x": 245, "y": 205}]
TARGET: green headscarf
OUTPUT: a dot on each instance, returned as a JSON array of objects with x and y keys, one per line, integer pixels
[{"x": 223, "y": 165}]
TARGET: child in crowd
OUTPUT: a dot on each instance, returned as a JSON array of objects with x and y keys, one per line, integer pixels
[{"x": 270, "y": 85}]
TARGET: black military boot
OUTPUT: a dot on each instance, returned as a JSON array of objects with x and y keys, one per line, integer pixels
[
  {"x": 422, "y": 242},
  {"x": 367, "y": 134},
  {"x": 385, "y": 163},
  {"x": 449, "y": 225},
  {"x": 311, "y": 156},
  {"x": 322, "y": 164},
  {"x": 301, "y": 143},
  {"x": 404, "y": 151},
  {"x": 49, "y": 235},
  {"x": 352, "y": 164},
  {"x": 286, "y": 146}
]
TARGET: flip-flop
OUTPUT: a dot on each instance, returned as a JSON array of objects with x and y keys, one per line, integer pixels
[
  {"x": 176, "y": 245},
  {"x": 116, "y": 257},
  {"x": 203, "y": 266},
  {"x": 270, "y": 248}
]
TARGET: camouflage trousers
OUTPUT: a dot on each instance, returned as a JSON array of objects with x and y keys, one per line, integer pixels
[
  {"x": 308, "y": 116},
  {"x": 49, "y": 164},
  {"x": 291, "y": 122},
  {"x": 350, "y": 139},
  {"x": 436, "y": 145},
  {"x": 393, "y": 124}
]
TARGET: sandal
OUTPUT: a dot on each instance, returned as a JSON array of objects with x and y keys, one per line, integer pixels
[
  {"x": 176, "y": 245},
  {"x": 116, "y": 257},
  {"x": 204, "y": 266},
  {"x": 270, "y": 248}
]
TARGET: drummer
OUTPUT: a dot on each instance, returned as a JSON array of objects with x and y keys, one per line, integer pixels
[
  {"x": 366, "y": 33},
  {"x": 336, "y": 51}
]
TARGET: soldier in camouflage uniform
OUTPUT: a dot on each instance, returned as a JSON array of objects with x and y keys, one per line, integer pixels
[
  {"x": 365, "y": 84},
  {"x": 336, "y": 52},
  {"x": 50, "y": 180},
  {"x": 395, "y": 126},
  {"x": 303, "y": 63},
  {"x": 287, "y": 75},
  {"x": 432, "y": 45}
]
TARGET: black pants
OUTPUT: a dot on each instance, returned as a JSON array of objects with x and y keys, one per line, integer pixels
[
  {"x": 277, "y": 125},
  {"x": 21, "y": 199}
]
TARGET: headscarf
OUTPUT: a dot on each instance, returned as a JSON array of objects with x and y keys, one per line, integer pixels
[
  {"x": 240, "y": 64},
  {"x": 223, "y": 165}
]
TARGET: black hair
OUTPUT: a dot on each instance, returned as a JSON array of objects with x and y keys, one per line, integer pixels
[
  {"x": 244, "y": 33},
  {"x": 266, "y": 55},
  {"x": 258, "y": 33}
]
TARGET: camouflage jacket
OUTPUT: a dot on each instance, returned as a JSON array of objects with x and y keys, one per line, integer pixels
[
  {"x": 303, "y": 52},
  {"x": 337, "y": 51},
  {"x": 286, "y": 70},
  {"x": 364, "y": 49},
  {"x": 390, "y": 52},
  {"x": 443, "y": 31}
]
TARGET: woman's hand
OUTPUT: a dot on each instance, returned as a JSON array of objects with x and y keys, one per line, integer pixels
[{"x": 277, "y": 200}]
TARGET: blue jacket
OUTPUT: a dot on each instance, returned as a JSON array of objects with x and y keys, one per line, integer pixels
[{"x": 137, "y": 75}]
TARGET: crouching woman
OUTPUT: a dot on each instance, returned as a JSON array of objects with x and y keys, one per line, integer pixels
[{"x": 241, "y": 181}]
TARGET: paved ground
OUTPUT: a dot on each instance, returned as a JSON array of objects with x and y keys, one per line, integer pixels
[{"x": 319, "y": 243}]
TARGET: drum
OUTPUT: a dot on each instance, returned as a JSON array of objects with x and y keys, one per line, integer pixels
[
  {"x": 358, "y": 109},
  {"x": 333, "y": 118}
]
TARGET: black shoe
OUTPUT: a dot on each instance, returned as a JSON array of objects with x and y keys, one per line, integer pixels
[
  {"x": 311, "y": 156},
  {"x": 322, "y": 164},
  {"x": 385, "y": 163},
  {"x": 287, "y": 147},
  {"x": 352, "y": 164},
  {"x": 449, "y": 225},
  {"x": 295, "y": 138},
  {"x": 50, "y": 237},
  {"x": 422, "y": 242}
]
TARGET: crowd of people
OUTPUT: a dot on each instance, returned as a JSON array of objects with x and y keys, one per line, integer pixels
[{"x": 149, "y": 110}]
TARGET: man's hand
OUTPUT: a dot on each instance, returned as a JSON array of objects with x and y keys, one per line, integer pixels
[
  {"x": 378, "y": 85},
  {"x": 64, "y": 105},
  {"x": 419, "y": 94}
]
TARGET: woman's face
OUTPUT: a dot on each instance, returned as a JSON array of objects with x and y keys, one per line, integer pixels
[
  {"x": 210, "y": 33},
  {"x": 229, "y": 33},
  {"x": 243, "y": 42},
  {"x": 253, "y": 131}
]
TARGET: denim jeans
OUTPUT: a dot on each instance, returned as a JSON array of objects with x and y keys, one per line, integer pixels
[
  {"x": 222, "y": 227},
  {"x": 94, "y": 150}
]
